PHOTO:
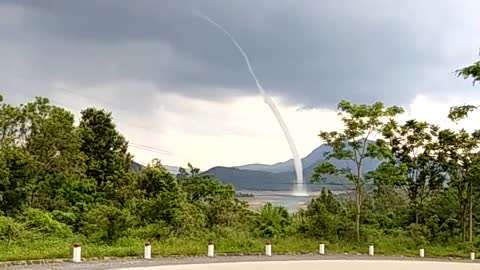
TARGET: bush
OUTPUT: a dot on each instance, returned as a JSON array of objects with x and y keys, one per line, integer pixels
[
  {"x": 106, "y": 223},
  {"x": 43, "y": 223},
  {"x": 150, "y": 232},
  {"x": 273, "y": 221},
  {"x": 418, "y": 233},
  {"x": 10, "y": 230}
]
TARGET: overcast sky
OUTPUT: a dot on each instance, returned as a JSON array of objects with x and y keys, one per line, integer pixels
[{"x": 176, "y": 83}]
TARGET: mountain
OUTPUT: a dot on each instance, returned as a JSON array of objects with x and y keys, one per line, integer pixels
[
  {"x": 281, "y": 176},
  {"x": 172, "y": 169},
  {"x": 285, "y": 166},
  {"x": 138, "y": 167}
]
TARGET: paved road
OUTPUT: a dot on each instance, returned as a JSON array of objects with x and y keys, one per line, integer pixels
[{"x": 296, "y": 262}]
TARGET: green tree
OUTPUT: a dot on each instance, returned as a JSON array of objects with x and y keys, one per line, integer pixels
[
  {"x": 17, "y": 180},
  {"x": 413, "y": 161},
  {"x": 104, "y": 147},
  {"x": 472, "y": 71},
  {"x": 460, "y": 112},
  {"x": 362, "y": 123},
  {"x": 52, "y": 138},
  {"x": 326, "y": 217},
  {"x": 10, "y": 124},
  {"x": 456, "y": 114},
  {"x": 37, "y": 140},
  {"x": 215, "y": 199},
  {"x": 155, "y": 179},
  {"x": 459, "y": 155}
]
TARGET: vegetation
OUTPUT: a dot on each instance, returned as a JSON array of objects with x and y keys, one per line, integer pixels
[{"x": 62, "y": 183}]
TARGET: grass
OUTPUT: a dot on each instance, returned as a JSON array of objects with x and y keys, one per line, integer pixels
[{"x": 62, "y": 248}]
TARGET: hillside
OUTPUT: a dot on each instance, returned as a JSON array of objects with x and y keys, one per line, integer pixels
[{"x": 281, "y": 176}]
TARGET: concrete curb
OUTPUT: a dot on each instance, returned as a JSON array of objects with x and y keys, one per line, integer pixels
[{"x": 236, "y": 257}]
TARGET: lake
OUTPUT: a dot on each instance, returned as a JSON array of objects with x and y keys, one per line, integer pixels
[{"x": 281, "y": 198}]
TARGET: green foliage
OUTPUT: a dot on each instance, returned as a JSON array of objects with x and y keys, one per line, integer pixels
[
  {"x": 326, "y": 218},
  {"x": 472, "y": 71},
  {"x": 104, "y": 147},
  {"x": 272, "y": 221},
  {"x": 10, "y": 230},
  {"x": 61, "y": 183},
  {"x": 362, "y": 123},
  {"x": 413, "y": 166},
  {"x": 43, "y": 223},
  {"x": 52, "y": 139},
  {"x": 106, "y": 223},
  {"x": 458, "y": 113}
]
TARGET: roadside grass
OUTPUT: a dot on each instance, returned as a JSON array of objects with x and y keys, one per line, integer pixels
[{"x": 62, "y": 248}]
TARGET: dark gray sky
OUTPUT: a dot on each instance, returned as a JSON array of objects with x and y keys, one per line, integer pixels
[{"x": 313, "y": 53}]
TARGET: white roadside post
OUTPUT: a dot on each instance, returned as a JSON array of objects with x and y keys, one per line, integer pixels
[
  {"x": 268, "y": 249},
  {"x": 472, "y": 256},
  {"x": 211, "y": 249},
  {"x": 422, "y": 252},
  {"x": 147, "y": 254},
  {"x": 77, "y": 253},
  {"x": 322, "y": 249},
  {"x": 371, "y": 250}
]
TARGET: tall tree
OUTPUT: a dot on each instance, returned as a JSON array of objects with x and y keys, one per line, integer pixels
[
  {"x": 10, "y": 124},
  {"x": 413, "y": 150},
  {"x": 362, "y": 123},
  {"x": 37, "y": 140},
  {"x": 459, "y": 155},
  {"x": 52, "y": 138},
  {"x": 105, "y": 148},
  {"x": 456, "y": 114}
]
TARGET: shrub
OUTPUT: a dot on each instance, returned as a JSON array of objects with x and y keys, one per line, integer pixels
[
  {"x": 106, "y": 223},
  {"x": 10, "y": 230},
  {"x": 43, "y": 223}
]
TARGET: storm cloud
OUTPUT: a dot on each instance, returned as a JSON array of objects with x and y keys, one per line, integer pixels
[{"x": 312, "y": 53}]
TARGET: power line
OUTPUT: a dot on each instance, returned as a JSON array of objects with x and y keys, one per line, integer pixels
[
  {"x": 158, "y": 151},
  {"x": 131, "y": 144}
]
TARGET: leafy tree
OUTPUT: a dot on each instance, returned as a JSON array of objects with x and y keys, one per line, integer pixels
[
  {"x": 104, "y": 147},
  {"x": 190, "y": 173},
  {"x": 362, "y": 123},
  {"x": 52, "y": 138},
  {"x": 472, "y": 71},
  {"x": 459, "y": 155},
  {"x": 413, "y": 161},
  {"x": 387, "y": 210},
  {"x": 460, "y": 112},
  {"x": 10, "y": 124},
  {"x": 215, "y": 199},
  {"x": 155, "y": 179},
  {"x": 17, "y": 180},
  {"x": 326, "y": 217},
  {"x": 65, "y": 193}
]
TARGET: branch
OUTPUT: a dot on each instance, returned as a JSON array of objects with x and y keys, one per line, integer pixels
[
  {"x": 458, "y": 113},
  {"x": 321, "y": 170}
]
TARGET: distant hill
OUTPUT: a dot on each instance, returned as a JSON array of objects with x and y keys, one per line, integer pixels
[
  {"x": 285, "y": 166},
  {"x": 281, "y": 176},
  {"x": 138, "y": 167}
]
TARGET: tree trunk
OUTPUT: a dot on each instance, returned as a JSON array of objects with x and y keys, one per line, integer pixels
[
  {"x": 359, "y": 199},
  {"x": 357, "y": 220},
  {"x": 463, "y": 211},
  {"x": 470, "y": 238}
]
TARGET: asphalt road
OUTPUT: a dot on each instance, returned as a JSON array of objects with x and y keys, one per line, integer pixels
[{"x": 297, "y": 262}]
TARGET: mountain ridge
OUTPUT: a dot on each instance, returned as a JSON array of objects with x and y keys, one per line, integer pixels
[{"x": 281, "y": 176}]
